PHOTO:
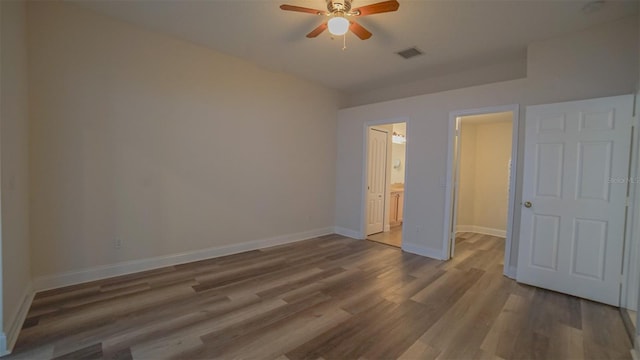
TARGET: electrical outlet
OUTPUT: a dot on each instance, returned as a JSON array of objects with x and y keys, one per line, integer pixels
[{"x": 117, "y": 243}]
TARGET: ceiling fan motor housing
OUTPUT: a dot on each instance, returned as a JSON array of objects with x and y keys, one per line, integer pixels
[{"x": 343, "y": 6}]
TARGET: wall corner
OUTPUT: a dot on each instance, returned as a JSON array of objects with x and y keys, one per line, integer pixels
[{"x": 3, "y": 345}]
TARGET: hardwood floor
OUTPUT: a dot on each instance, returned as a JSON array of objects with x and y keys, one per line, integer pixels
[
  {"x": 392, "y": 237},
  {"x": 327, "y": 298}
]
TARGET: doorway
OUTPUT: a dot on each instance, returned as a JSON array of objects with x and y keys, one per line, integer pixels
[
  {"x": 481, "y": 185},
  {"x": 385, "y": 179},
  {"x": 482, "y": 200}
]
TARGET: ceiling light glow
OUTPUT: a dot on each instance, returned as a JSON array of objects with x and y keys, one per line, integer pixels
[{"x": 338, "y": 25}]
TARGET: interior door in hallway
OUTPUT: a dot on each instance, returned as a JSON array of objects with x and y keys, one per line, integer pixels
[
  {"x": 376, "y": 180},
  {"x": 573, "y": 216}
]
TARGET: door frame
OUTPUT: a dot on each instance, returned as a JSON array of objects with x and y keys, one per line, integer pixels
[
  {"x": 451, "y": 185},
  {"x": 630, "y": 290},
  {"x": 365, "y": 172}
]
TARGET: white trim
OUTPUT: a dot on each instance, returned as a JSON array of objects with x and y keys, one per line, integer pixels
[
  {"x": 448, "y": 209},
  {"x": 511, "y": 272},
  {"x": 448, "y": 206},
  {"x": 19, "y": 317},
  {"x": 464, "y": 228},
  {"x": 634, "y": 354},
  {"x": 422, "y": 251},
  {"x": 387, "y": 227},
  {"x": 481, "y": 230},
  {"x": 513, "y": 198},
  {"x": 124, "y": 268},
  {"x": 3, "y": 345},
  {"x": 347, "y": 232}
]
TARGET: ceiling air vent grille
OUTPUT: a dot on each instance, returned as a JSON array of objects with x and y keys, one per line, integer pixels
[{"x": 409, "y": 53}]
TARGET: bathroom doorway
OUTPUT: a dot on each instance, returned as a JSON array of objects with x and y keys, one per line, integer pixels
[{"x": 386, "y": 165}]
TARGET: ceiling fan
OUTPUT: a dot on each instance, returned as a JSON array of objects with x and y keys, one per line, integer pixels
[{"x": 338, "y": 12}]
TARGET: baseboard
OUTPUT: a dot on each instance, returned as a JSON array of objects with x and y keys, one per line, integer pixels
[
  {"x": 422, "y": 251},
  {"x": 124, "y": 268},
  {"x": 347, "y": 232},
  {"x": 625, "y": 316},
  {"x": 464, "y": 228},
  {"x": 511, "y": 272},
  {"x": 18, "y": 318},
  {"x": 3, "y": 345},
  {"x": 387, "y": 228},
  {"x": 481, "y": 230}
]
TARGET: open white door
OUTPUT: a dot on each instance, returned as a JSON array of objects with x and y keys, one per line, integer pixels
[
  {"x": 572, "y": 223},
  {"x": 376, "y": 180}
]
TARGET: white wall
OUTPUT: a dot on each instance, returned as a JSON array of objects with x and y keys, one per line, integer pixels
[
  {"x": 428, "y": 120},
  {"x": 16, "y": 274},
  {"x": 166, "y": 145},
  {"x": 466, "y": 179},
  {"x": 483, "y": 195},
  {"x": 637, "y": 222},
  {"x": 398, "y": 153},
  {"x": 493, "y": 151},
  {"x": 511, "y": 66},
  {"x": 3, "y": 336}
]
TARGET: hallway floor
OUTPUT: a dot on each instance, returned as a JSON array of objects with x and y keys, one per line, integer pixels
[{"x": 392, "y": 237}]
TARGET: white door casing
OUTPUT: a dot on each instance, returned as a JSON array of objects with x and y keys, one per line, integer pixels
[
  {"x": 376, "y": 180},
  {"x": 456, "y": 186},
  {"x": 571, "y": 236}
]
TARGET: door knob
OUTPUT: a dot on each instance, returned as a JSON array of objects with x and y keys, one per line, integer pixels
[{"x": 527, "y": 204}]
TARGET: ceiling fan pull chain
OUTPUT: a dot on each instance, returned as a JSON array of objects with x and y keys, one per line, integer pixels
[{"x": 344, "y": 42}]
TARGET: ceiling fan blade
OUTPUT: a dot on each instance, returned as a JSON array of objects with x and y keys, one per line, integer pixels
[
  {"x": 317, "y": 31},
  {"x": 381, "y": 7},
  {"x": 360, "y": 32},
  {"x": 302, "y": 9}
]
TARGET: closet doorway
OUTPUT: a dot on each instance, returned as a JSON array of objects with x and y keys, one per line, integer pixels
[{"x": 482, "y": 181}]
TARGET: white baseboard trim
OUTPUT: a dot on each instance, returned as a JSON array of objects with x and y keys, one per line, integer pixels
[
  {"x": 3, "y": 345},
  {"x": 106, "y": 271},
  {"x": 422, "y": 251},
  {"x": 481, "y": 230},
  {"x": 511, "y": 272},
  {"x": 387, "y": 228},
  {"x": 18, "y": 318},
  {"x": 464, "y": 228},
  {"x": 347, "y": 232}
]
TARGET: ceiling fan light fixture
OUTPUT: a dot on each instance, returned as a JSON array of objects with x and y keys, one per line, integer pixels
[{"x": 338, "y": 25}]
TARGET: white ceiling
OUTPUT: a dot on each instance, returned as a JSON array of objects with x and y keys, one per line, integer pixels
[{"x": 454, "y": 34}]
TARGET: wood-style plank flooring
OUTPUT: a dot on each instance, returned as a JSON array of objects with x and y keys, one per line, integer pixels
[
  {"x": 326, "y": 298},
  {"x": 392, "y": 237}
]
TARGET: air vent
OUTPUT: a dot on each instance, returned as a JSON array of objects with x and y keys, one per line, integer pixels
[{"x": 409, "y": 53}]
